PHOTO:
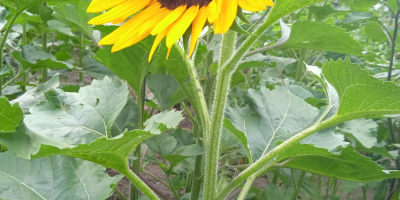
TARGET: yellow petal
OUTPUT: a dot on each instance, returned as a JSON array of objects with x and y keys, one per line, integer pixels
[
  {"x": 157, "y": 41},
  {"x": 121, "y": 11},
  {"x": 102, "y": 5},
  {"x": 226, "y": 16},
  {"x": 197, "y": 27},
  {"x": 168, "y": 20},
  {"x": 181, "y": 25},
  {"x": 252, "y": 5}
]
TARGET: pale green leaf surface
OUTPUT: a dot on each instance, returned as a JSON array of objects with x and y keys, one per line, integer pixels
[
  {"x": 163, "y": 144},
  {"x": 33, "y": 96},
  {"x": 163, "y": 121},
  {"x": 163, "y": 87},
  {"x": 324, "y": 37},
  {"x": 10, "y": 115},
  {"x": 54, "y": 178},
  {"x": 348, "y": 165},
  {"x": 364, "y": 130}
]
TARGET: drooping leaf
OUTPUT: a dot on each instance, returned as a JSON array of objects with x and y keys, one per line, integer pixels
[
  {"x": 163, "y": 121},
  {"x": 348, "y": 165},
  {"x": 10, "y": 116},
  {"x": 163, "y": 144},
  {"x": 363, "y": 130},
  {"x": 56, "y": 177},
  {"x": 320, "y": 36},
  {"x": 182, "y": 153}
]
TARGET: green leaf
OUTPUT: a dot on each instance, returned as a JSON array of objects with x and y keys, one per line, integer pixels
[
  {"x": 324, "y": 37},
  {"x": 284, "y": 7},
  {"x": 361, "y": 95},
  {"x": 163, "y": 87},
  {"x": 364, "y": 130},
  {"x": 33, "y": 96},
  {"x": 182, "y": 153},
  {"x": 111, "y": 153},
  {"x": 163, "y": 121},
  {"x": 274, "y": 116},
  {"x": 348, "y": 165},
  {"x": 374, "y": 31},
  {"x": 75, "y": 16},
  {"x": 130, "y": 64},
  {"x": 60, "y": 27},
  {"x": 163, "y": 144},
  {"x": 75, "y": 117},
  {"x": 361, "y": 5},
  {"x": 56, "y": 177},
  {"x": 34, "y": 58},
  {"x": 322, "y": 12},
  {"x": 10, "y": 116}
]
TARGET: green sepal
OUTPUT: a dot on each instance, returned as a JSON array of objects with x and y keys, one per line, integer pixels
[
  {"x": 237, "y": 28},
  {"x": 242, "y": 17}
]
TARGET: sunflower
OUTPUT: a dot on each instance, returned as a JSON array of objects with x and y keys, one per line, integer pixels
[{"x": 168, "y": 19}]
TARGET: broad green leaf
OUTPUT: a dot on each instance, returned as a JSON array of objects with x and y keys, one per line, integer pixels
[
  {"x": 361, "y": 95},
  {"x": 10, "y": 116},
  {"x": 127, "y": 119},
  {"x": 129, "y": 64},
  {"x": 361, "y": 5},
  {"x": 374, "y": 31},
  {"x": 324, "y": 37},
  {"x": 111, "y": 153},
  {"x": 34, "y": 58},
  {"x": 272, "y": 116},
  {"x": 163, "y": 87},
  {"x": 3, "y": 13},
  {"x": 364, "y": 130},
  {"x": 33, "y": 96},
  {"x": 56, "y": 177},
  {"x": 163, "y": 121},
  {"x": 357, "y": 17},
  {"x": 322, "y": 12},
  {"x": 60, "y": 27},
  {"x": 68, "y": 119},
  {"x": 348, "y": 165},
  {"x": 6, "y": 71},
  {"x": 96, "y": 69},
  {"x": 284, "y": 7},
  {"x": 182, "y": 153},
  {"x": 163, "y": 144},
  {"x": 75, "y": 16}
]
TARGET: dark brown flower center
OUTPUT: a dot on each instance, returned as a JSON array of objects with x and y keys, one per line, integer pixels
[{"x": 172, "y": 4}]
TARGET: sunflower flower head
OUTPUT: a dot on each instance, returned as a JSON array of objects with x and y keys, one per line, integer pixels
[{"x": 168, "y": 19}]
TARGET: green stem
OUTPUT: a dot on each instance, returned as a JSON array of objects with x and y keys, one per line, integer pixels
[
  {"x": 139, "y": 183},
  {"x": 44, "y": 48},
  {"x": 300, "y": 64},
  {"x": 24, "y": 42},
  {"x": 213, "y": 141},
  {"x": 3, "y": 42},
  {"x": 156, "y": 178},
  {"x": 120, "y": 195},
  {"x": 81, "y": 58},
  {"x": 20, "y": 72},
  {"x": 133, "y": 190},
  {"x": 298, "y": 184},
  {"x": 171, "y": 186},
  {"x": 260, "y": 164},
  {"x": 246, "y": 187}
]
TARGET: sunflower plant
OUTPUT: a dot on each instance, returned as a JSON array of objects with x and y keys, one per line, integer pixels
[{"x": 214, "y": 94}]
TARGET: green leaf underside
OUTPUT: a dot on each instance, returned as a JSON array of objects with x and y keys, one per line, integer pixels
[
  {"x": 56, "y": 177},
  {"x": 348, "y": 165},
  {"x": 324, "y": 37},
  {"x": 361, "y": 95},
  {"x": 10, "y": 116},
  {"x": 111, "y": 153}
]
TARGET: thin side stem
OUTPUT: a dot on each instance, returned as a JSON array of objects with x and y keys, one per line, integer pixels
[
  {"x": 298, "y": 184},
  {"x": 44, "y": 48},
  {"x": 19, "y": 74},
  {"x": 81, "y": 58},
  {"x": 139, "y": 184},
  {"x": 171, "y": 186},
  {"x": 156, "y": 178},
  {"x": 246, "y": 187},
  {"x": 3, "y": 42}
]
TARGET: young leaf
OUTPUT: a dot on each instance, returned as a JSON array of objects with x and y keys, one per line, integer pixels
[
  {"x": 56, "y": 177},
  {"x": 163, "y": 87},
  {"x": 163, "y": 121},
  {"x": 348, "y": 165},
  {"x": 10, "y": 116}
]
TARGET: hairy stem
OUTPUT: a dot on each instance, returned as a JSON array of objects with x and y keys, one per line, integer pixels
[{"x": 139, "y": 183}]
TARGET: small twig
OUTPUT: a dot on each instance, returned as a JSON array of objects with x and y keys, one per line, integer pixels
[{"x": 143, "y": 155}]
